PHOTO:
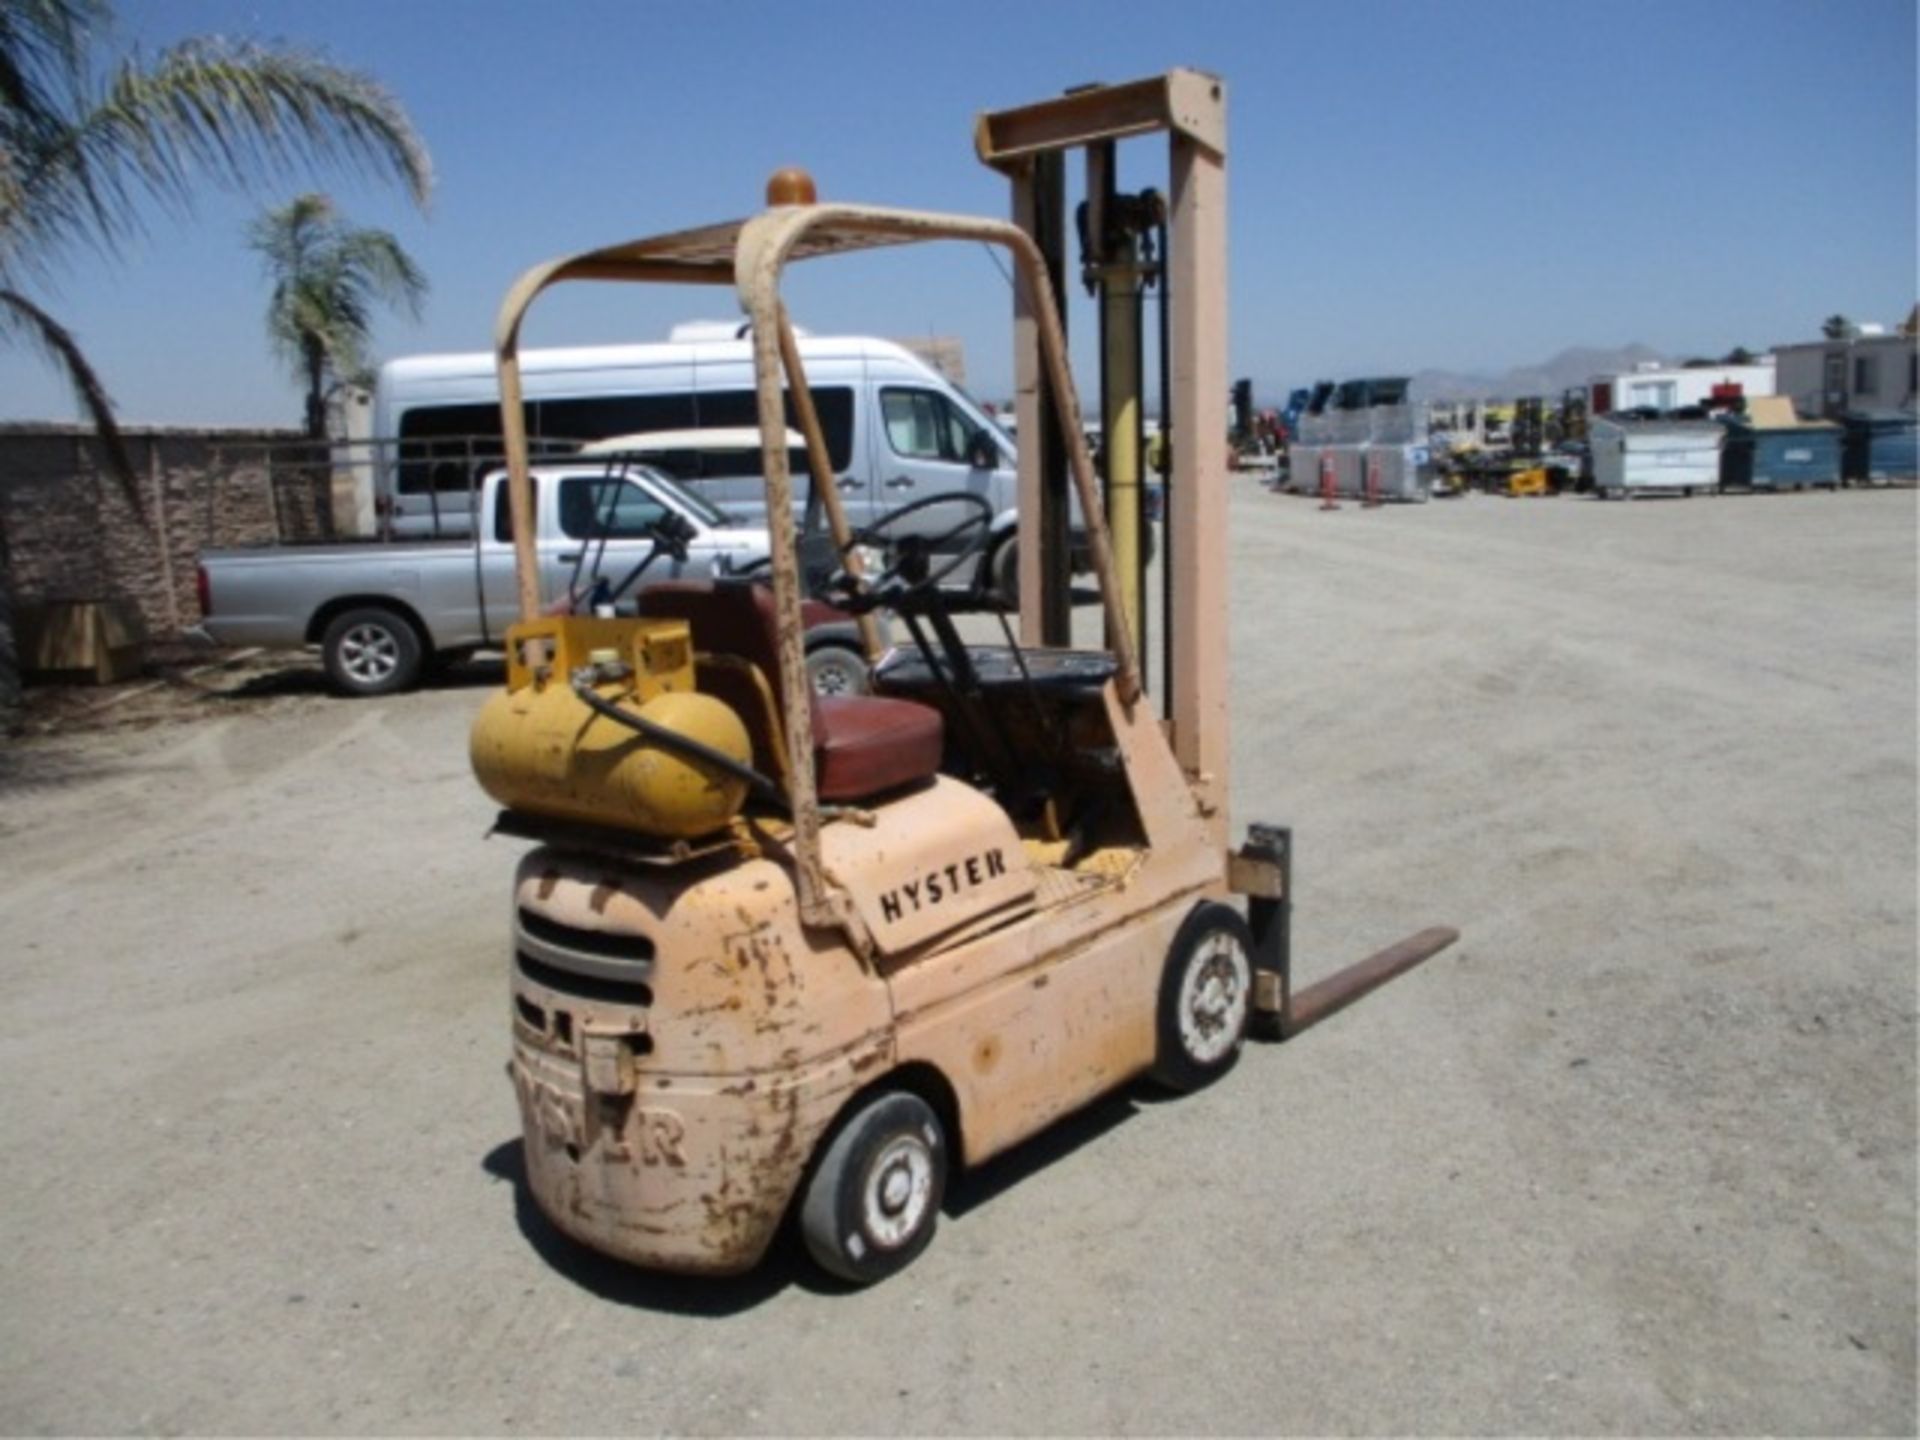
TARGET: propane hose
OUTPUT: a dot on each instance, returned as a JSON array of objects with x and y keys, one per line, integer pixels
[{"x": 760, "y": 785}]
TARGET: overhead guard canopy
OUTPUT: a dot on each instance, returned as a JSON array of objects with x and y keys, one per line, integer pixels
[{"x": 752, "y": 254}]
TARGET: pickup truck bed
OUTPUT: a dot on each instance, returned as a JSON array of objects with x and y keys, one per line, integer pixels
[{"x": 380, "y": 611}]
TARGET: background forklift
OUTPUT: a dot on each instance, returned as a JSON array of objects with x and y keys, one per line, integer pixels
[{"x": 784, "y": 956}]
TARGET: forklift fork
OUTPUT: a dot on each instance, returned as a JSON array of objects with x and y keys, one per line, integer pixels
[{"x": 1263, "y": 872}]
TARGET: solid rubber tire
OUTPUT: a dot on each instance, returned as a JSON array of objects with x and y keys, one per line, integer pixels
[
  {"x": 831, "y": 1212},
  {"x": 1174, "y": 1066}
]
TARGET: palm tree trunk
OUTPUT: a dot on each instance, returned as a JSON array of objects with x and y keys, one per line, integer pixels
[{"x": 316, "y": 358}]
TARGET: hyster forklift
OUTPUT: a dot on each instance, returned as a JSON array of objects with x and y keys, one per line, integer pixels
[{"x": 782, "y": 958}]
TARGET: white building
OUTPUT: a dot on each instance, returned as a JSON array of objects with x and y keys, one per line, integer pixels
[
  {"x": 1663, "y": 388},
  {"x": 1826, "y": 378}
]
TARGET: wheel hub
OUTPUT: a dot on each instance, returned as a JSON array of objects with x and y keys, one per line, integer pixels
[
  {"x": 899, "y": 1192},
  {"x": 369, "y": 653},
  {"x": 1215, "y": 995}
]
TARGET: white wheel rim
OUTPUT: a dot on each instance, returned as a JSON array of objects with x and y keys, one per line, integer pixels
[
  {"x": 369, "y": 653},
  {"x": 833, "y": 676},
  {"x": 898, "y": 1193},
  {"x": 1213, "y": 997}
]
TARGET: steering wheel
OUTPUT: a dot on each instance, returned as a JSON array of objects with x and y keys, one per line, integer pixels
[{"x": 912, "y": 568}]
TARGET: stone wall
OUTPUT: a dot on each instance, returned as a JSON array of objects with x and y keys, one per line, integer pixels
[{"x": 72, "y": 531}]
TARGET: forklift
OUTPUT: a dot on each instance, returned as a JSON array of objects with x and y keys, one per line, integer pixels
[{"x": 784, "y": 961}]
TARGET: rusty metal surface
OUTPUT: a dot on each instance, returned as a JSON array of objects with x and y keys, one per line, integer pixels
[
  {"x": 928, "y": 864},
  {"x": 820, "y": 462},
  {"x": 1326, "y": 997},
  {"x": 1034, "y": 1019},
  {"x": 1261, "y": 879},
  {"x": 1186, "y": 102},
  {"x": 742, "y": 1037}
]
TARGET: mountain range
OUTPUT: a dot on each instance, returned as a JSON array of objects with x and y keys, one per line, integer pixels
[{"x": 1573, "y": 366}]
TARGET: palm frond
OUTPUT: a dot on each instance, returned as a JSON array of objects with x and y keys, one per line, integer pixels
[
  {"x": 20, "y": 316},
  {"x": 390, "y": 272},
  {"x": 207, "y": 109},
  {"x": 43, "y": 55},
  {"x": 328, "y": 279}
]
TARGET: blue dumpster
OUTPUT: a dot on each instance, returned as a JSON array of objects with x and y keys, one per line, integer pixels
[
  {"x": 1795, "y": 456},
  {"x": 1881, "y": 445}
]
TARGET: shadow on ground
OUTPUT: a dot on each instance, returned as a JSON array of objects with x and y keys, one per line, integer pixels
[
  {"x": 785, "y": 1263},
  {"x": 307, "y": 677},
  {"x": 27, "y": 768}
]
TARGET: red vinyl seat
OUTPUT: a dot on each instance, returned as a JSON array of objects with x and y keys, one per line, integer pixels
[{"x": 863, "y": 745}]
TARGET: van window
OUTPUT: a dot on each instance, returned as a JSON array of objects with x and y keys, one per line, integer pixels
[
  {"x": 450, "y": 447},
  {"x": 592, "y": 506},
  {"x": 447, "y": 448},
  {"x": 925, "y": 425},
  {"x": 598, "y": 416},
  {"x": 744, "y": 464},
  {"x": 833, "y": 403},
  {"x": 503, "y": 510}
]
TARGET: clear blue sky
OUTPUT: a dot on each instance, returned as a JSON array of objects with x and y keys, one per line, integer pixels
[{"x": 1468, "y": 185}]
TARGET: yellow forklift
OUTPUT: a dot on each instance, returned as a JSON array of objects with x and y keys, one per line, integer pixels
[{"x": 780, "y": 957}]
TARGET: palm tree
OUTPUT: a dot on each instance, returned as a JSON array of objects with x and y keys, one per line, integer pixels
[
  {"x": 85, "y": 146},
  {"x": 326, "y": 276},
  {"x": 82, "y": 148}
]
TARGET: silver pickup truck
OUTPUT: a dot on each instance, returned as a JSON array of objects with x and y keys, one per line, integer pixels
[{"x": 381, "y": 612}]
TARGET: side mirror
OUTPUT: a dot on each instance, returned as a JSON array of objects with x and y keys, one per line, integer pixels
[
  {"x": 982, "y": 453},
  {"x": 671, "y": 532}
]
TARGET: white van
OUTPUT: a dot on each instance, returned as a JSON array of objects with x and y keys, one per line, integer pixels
[{"x": 896, "y": 431}]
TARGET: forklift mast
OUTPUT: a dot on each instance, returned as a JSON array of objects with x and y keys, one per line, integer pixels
[{"x": 1028, "y": 144}]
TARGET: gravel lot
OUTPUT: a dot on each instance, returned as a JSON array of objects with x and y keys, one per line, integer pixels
[{"x": 1637, "y": 1156}]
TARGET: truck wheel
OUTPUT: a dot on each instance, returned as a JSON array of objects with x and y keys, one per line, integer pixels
[
  {"x": 1003, "y": 573},
  {"x": 874, "y": 1199},
  {"x": 371, "y": 651},
  {"x": 1206, "y": 994},
  {"x": 837, "y": 670}
]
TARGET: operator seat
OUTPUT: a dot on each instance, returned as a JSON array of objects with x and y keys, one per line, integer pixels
[{"x": 863, "y": 745}]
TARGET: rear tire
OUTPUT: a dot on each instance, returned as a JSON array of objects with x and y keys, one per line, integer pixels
[
  {"x": 1206, "y": 997},
  {"x": 371, "y": 651},
  {"x": 874, "y": 1199},
  {"x": 837, "y": 670}
]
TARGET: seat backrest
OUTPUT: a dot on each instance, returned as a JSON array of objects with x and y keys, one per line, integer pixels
[
  {"x": 727, "y": 618},
  {"x": 863, "y": 744},
  {"x": 736, "y": 618}
]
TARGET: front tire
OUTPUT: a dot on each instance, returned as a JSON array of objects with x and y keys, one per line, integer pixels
[
  {"x": 1206, "y": 996},
  {"x": 371, "y": 651},
  {"x": 874, "y": 1198},
  {"x": 1003, "y": 573}
]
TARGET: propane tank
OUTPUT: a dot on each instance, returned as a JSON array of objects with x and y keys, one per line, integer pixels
[{"x": 542, "y": 750}]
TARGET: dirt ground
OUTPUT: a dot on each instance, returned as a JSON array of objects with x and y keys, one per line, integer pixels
[{"x": 1638, "y": 1156}]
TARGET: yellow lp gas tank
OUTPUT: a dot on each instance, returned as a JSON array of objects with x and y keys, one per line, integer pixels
[{"x": 539, "y": 748}]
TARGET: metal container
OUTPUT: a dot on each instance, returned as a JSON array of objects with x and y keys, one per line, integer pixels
[
  {"x": 1406, "y": 471},
  {"x": 1303, "y": 468},
  {"x": 1781, "y": 457},
  {"x": 1349, "y": 412},
  {"x": 1390, "y": 418},
  {"x": 1672, "y": 457},
  {"x": 1349, "y": 470},
  {"x": 1881, "y": 445}
]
